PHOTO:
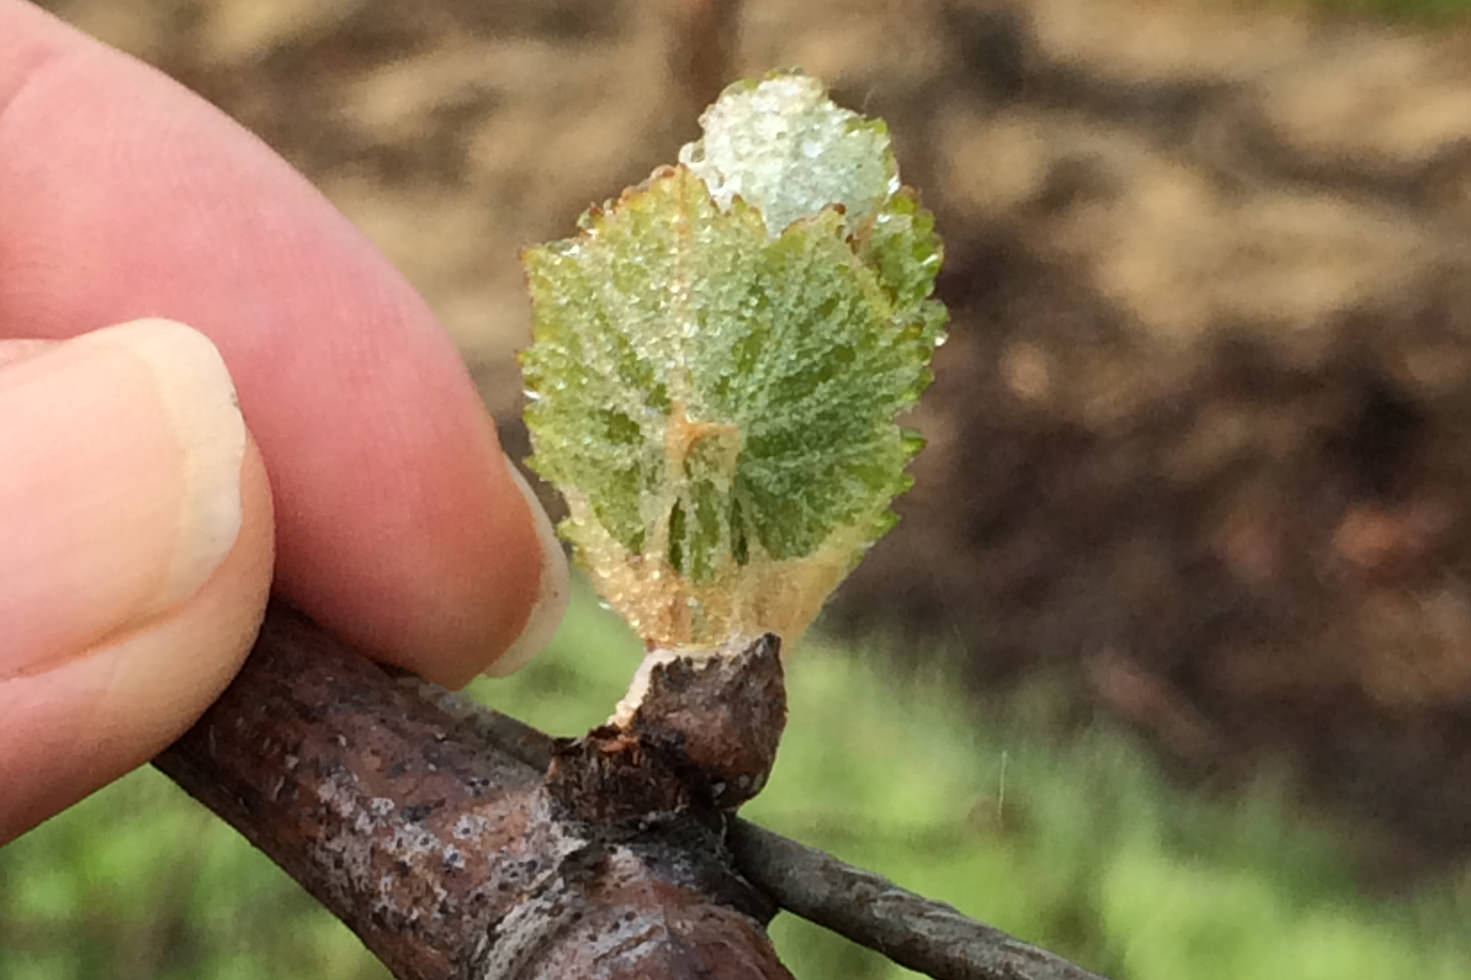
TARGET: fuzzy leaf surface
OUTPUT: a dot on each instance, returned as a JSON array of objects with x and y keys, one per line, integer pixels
[{"x": 715, "y": 394}]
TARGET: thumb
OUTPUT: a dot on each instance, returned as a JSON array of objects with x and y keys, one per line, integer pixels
[{"x": 135, "y": 554}]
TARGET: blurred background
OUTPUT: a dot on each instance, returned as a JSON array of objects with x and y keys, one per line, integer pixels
[{"x": 1168, "y": 665}]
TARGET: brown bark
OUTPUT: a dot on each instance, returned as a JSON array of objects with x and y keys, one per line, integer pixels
[
  {"x": 703, "y": 736},
  {"x": 460, "y": 843},
  {"x": 442, "y": 850},
  {"x": 871, "y": 910}
]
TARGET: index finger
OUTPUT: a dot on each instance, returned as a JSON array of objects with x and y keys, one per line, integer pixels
[{"x": 122, "y": 195}]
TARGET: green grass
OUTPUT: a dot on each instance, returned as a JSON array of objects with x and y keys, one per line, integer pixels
[
  {"x": 1427, "y": 12},
  {"x": 1078, "y": 844}
]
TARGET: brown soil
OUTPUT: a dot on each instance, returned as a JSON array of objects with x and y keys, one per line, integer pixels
[{"x": 1201, "y": 440}]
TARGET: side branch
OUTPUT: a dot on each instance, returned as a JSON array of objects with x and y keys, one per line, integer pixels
[
  {"x": 913, "y": 931},
  {"x": 423, "y": 821}
]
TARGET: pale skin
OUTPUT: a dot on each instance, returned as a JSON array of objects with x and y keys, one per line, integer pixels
[{"x": 144, "y": 518}]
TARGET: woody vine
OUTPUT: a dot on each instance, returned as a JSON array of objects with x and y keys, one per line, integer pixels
[{"x": 718, "y": 358}]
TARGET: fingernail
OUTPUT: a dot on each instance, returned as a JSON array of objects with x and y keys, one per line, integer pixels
[
  {"x": 552, "y": 590},
  {"x": 120, "y": 467},
  {"x": 17, "y": 350}
]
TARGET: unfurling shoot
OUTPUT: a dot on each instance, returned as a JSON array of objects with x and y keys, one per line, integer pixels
[{"x": 718, "y": 358}]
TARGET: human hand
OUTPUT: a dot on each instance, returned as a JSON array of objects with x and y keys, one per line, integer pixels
[{"x": 136, "y": 524}]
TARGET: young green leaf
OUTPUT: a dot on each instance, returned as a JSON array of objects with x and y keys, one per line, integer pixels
[{"x": 717, "y": 362}]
